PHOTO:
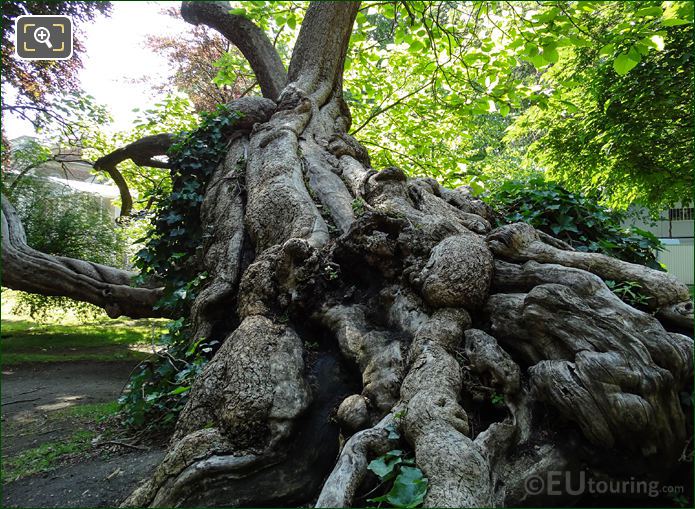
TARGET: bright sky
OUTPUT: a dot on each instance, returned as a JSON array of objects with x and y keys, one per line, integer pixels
[{"x": 116, "y": 57}]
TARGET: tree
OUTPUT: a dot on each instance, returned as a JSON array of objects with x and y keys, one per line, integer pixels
[
  {"x": 35, "y": 80},
  {"x": 615, "y": 131},
  {"x": 312, "y": 282},
  {"x": 196, "y": 63}
]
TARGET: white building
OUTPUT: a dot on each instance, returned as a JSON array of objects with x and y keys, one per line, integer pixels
[
  {"x": 70, "y": 170},
  {"x": 675, "y": 230}
]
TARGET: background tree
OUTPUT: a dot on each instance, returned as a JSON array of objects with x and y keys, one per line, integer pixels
[
  {"x": 304, "y": 280},
  {"x": 619, "y": 127},
  {"x": 196, "y": 59},
  {"x": 35, "y": 80}
]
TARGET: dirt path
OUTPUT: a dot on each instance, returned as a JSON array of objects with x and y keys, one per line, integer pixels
[
  {"x": 32, "y": 395},
  {"x": 33, "y": 391},
  {"x": 98, "y": 482}
]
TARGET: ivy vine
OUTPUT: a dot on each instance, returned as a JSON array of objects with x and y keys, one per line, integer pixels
[{"x": 158, "y": 389}]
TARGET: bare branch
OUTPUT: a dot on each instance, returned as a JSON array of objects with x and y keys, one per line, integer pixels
[
  {"x": 253, "y": 43},
  {"x": 142, "y": 153},
  {"x": 29, "y": 270}
]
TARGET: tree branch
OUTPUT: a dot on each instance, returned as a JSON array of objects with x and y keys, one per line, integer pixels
[
  {"x": 319, "y": 54},
  {"x": 141, "y": 152},
  {"x": 29, "y": 270},
  {"x": 245, "y": 35}
]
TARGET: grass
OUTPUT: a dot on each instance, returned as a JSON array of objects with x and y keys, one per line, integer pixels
[
  {"x": 63, "y": 336},
  {"x": 52, "y": 454},
  {"x": 94, "y": 412},
  {"x": 46, "y": 456},
  {"x": 26, "y": 341}
]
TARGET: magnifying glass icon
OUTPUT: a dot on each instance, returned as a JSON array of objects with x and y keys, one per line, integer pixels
[{"x": 43, "y": 36}]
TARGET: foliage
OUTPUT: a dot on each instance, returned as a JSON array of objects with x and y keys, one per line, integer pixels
[
  {"x": 176, "y": 235},
  {"x": 158, "y": 390},
  {"x": 396, "y": 469},
  {"x": 358, "y": 207},
  {"x": 497, "y": 399},
  {"x": 573, "y": 217},
  {"x": 60, "y": 221},
  {"x": 434, "y": 85},
  {"x": 620, "y": 121},
  {"x": 173, "y": 113},
  {"x": 629, "y": 292},
  {"x": 409, "y": 485},
  {"x": 281, "y": 21},
  {"x": 206, "y": 67}
]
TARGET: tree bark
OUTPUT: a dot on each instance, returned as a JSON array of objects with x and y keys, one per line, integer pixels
[{"x": 142, "y": 153}]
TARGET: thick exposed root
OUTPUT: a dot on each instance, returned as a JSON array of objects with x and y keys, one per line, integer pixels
[
  {"x": 340, "y": 488},
  {"x": 521, "y": 242},
  {"x": 609, "y": 367}
]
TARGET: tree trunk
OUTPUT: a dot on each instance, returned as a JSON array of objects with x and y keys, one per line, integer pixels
[{"x": 357, "y": 306}]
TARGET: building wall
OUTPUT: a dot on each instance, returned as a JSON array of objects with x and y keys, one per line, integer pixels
[
  {"x": 675, "y": 229},
  {"x": 679, "y": 257}
]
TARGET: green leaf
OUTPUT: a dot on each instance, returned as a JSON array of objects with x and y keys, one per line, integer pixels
[
  {"x": 384, "y": 465},
  {"x": 579, "y": 42},
  {"x": 550, "y": 54},
  {"x": 409, "y": 488},
  {"x": 674, "y": 22},
  {"x": 624, "y": 62},
  {"x": 180, "y": 390},
  {"x": 654, "y": 12},
  {"x": 416, "y": 46},
  {"x": 608, "y": 49},
  {"x": 292, "y": 22}
]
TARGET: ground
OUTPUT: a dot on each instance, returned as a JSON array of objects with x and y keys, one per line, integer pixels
[{"x": 59, "y": 389}]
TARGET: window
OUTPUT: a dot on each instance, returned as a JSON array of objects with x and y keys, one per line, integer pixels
[{"x": 684, "y": 214}]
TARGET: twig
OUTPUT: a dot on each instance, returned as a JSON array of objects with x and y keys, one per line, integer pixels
[
  {"x": 123, "y": 444},
  {"x": 29, "y": 392},
  {"x": 20, "y": 401}
]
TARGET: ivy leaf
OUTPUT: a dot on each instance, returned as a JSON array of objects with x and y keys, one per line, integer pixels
[
  {"x": 384, "y": 465},
  {"x": 409, "y": 488},
  {"x": 393, "y": 432}
]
